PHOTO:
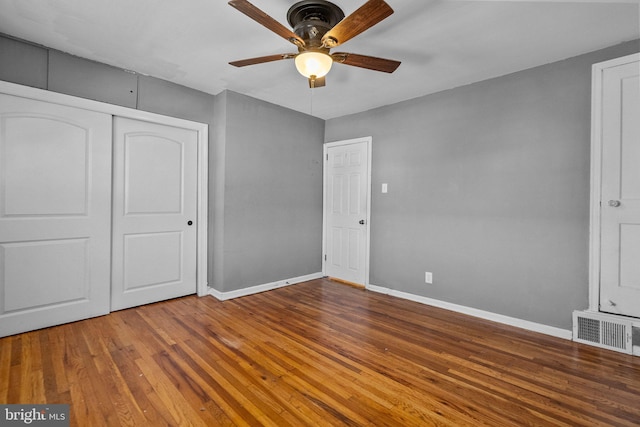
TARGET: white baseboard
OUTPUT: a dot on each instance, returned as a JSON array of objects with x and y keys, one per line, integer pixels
[
  {"x": 511, "y": 321},
  {"x": 223, "y": 296}
]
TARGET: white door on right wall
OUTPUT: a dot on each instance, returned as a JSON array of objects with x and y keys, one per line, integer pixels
[{"x": 620, "y": 190}]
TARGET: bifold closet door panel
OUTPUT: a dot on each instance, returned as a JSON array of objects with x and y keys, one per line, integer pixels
[{"x": 55, "y": 214}]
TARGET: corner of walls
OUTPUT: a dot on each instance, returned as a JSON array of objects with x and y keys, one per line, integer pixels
[
  {"x": 186, "y": 103},
  {"x": 265, "y": 174},
  {"x": 217, "y": 164},
  {"x": 272, "y": 193},
  {"x": 227, "y": 295}
]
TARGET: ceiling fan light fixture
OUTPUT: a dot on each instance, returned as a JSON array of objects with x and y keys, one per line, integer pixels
[{"x": 313, "y": 63}]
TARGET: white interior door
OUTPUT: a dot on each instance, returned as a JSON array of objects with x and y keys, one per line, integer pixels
[
  {"x": 55, "y": 214},
  {"x": 346, "y": 210},
  {"x": 154, "y": 213},
  {"x": 620, "y": 201}
]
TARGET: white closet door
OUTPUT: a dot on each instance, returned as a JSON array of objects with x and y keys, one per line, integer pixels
[
  {"x": 55, "y": 214},
  {"x": 154, "y": 213}
]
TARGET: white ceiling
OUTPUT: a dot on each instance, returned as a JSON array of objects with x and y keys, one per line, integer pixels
[{"x": 442, "y": 43}]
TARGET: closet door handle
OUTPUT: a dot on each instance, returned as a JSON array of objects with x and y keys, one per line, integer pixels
[{"x": 189, "y": 222}]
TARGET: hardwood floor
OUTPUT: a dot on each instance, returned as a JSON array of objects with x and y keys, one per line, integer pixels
[{"x": 316, "y": 353}]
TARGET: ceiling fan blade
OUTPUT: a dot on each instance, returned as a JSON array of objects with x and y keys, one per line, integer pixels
[
  {"x": 262, "y": 59},
  {"x": 364, "y": 61},
  {"x": 368, "y": 15},
  {"x": 262, "y": 18},
  {"x": 317, "y": 82}
]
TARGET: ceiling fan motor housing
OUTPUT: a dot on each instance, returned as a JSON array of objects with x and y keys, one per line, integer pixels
[{"x": 311, "y": 19}]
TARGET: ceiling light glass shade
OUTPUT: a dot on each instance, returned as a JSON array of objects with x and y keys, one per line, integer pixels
[{"x": 313, "y": 64}]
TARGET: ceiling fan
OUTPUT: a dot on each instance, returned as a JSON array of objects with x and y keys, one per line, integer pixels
[{"x": 318, "y": 26}]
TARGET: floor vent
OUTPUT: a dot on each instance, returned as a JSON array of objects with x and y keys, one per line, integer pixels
[{"x": 603, "y": 330}]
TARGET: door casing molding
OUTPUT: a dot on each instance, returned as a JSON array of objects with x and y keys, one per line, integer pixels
[
  {"x": 597, "y": 75},
  {"x": 369, "y": 143},
  {"x": 115, "y": 110}
]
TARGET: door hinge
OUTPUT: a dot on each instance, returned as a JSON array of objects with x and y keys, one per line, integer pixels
[{"x": 325, "y": 257}]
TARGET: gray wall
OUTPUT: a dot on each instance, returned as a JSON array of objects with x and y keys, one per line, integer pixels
[
  {"x": 265, "y": 177},
  {"x": 43, "y": 68},
  {"x": 271, "y": 184},
  {"x": 488, "y": 189}
]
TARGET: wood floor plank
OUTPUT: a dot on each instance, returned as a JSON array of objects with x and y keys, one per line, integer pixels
[
  {"x": 319, "y": 354},
  {"x": 124, "y": 402},
  {"x": 5, "y": 368}
]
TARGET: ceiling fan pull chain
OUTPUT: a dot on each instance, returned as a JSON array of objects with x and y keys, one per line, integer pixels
[{"x": 311, "y": 102}]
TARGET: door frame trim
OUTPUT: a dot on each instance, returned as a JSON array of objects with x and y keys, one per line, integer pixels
[
  {"x": 597, "y": 76},
  {"x": 368, "y": 140},
  {"x": 202, "y": 130}
]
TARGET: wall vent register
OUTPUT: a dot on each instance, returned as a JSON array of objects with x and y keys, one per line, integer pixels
[{"x": 602, "y": 330}]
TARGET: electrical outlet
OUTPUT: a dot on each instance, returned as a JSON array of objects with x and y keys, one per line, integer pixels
[{"x": 428, "y": 277}]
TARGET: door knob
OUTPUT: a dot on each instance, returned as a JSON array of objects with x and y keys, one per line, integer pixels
[
  {"x": 361, "y": 222},
  {"x": 189, "y": 222},
  {"x": 614, "y": 203}
]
